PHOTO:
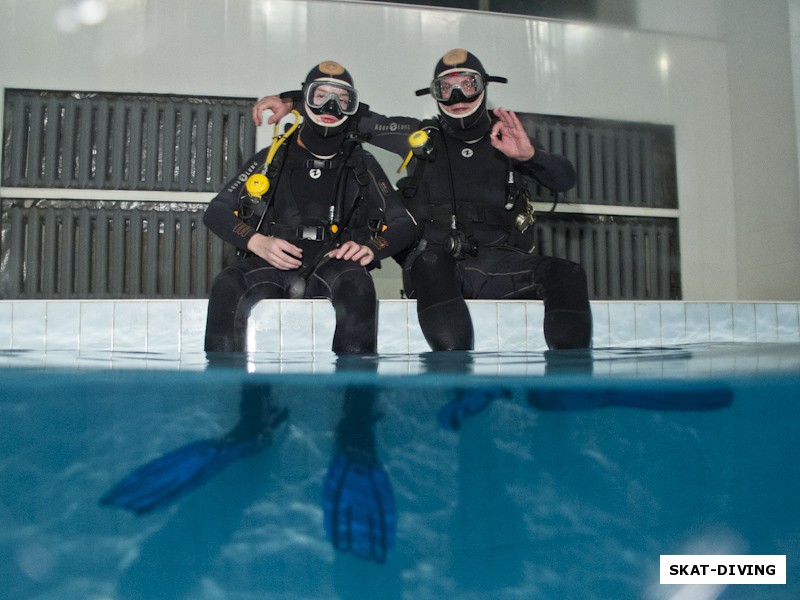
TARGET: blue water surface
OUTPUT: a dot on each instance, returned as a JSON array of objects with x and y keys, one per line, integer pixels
[{"x": 554, "y": 477}]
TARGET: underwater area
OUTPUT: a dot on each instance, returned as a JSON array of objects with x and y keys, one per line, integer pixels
[{"x": 435, "y": 475}]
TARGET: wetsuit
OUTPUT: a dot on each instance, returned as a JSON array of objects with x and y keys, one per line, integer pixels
[
  {"x": 299, "y": 213},
  {"x": 493, "y": 268}
]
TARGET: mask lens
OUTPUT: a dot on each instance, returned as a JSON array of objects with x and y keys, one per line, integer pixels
[
  {"x": 320, "y": 93},
  {"x": 470, "y": 84}
]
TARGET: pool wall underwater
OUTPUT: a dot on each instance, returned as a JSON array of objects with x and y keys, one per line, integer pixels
[{"x": 511, "y": 475}]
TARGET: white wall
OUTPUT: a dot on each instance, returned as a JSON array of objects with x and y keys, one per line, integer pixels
[
  {"x": 251, "y": 47},
  {"x": 762, "y": 40}
]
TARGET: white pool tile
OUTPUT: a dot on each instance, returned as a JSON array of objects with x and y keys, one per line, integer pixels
[
  {"x": 622, "y": 324},
  {"x": 97, "y": 325},
  {"x": 193, "y": 325},
  {"x": 324, "y": 318},
  {"x": 720, "y": 316},
  {"x": 697, "y": 324},
  {"x": 511, "y": 326},
  {"x": 788, "y": 322},
  {"x": 164, "y": 326},
  {"x": 264, "y": 327},
  {"x": 484, "y": 324},
  {"x": 416, "y": 340},
  {"x": 297, "y": 326},
  {"x": 601, "y": 332},
  {"x": 30, "y": 325},
  {"x": 393, "y": 317},
  {"x": 648, "y": 323},
  {"x": 766, "y": 322},
  {"x": 673, "y": 323},
  {"x": 130, "y": 325},
  {"x": 534, "y": 315},
  {"x": 6, "y": 321},
  {"x": 293, "y": 326},
  {"x": 395, "y": 368},
  {"x": 744, "y": 322},
  {"x": 63, "y": 325}
]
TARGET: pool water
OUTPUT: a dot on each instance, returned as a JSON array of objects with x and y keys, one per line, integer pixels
[{"x": 531, "y": 476}]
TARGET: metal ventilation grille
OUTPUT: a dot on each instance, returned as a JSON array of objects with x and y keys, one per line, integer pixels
[
  {"x": 75, "y": 249},
  {"x": 54, "y": 248},
  {"x": 624, "y": 257},
  {"x": 618, "y": 163},
  {"x": 124, "y": 142}
]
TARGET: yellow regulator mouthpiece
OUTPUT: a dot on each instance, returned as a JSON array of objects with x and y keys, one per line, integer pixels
[
  {"x": 257, "y": 185},
  {"x": 418, "y": 139}
]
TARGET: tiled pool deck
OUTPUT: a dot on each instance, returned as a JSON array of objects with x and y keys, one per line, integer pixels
[{"x": 177, "y": 326}]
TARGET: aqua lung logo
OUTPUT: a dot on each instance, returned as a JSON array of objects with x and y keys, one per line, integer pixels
[
  {"x": 393, "y": 127},
  {"x": 467, "y": 153},
  {"x": 315, "y": 173},
  {"x": 242, "y": 178}
]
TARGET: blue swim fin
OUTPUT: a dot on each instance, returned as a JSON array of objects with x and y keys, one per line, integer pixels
[
  {"x": 467, "y": 403},
  {"x": 692, "y": 397},
  {"x": 358, "y": 505},
  {"x": 167, "y": 478},
  {"x": 360, "y": 515}
]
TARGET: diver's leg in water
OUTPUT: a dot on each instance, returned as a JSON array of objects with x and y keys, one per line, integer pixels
[
  {"x": 567, "y": 315},
  {"x": 359, "y": 510},
  {"x": 234, "y": 293},
  {"x": 259, "y": 415},
  {"x": 350, "y": 289},
  {"x": 431, "y": 277},
  {"x": 507, "y": 274}
]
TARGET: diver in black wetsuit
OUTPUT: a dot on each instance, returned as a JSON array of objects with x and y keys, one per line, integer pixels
[
  {"x": 331, "y": 215},
  {"x": 475, "y": 225}
]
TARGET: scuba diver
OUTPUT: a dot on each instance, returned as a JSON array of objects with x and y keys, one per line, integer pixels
[
  {"x": 310, "y": 216},
  {"x": 473, "y": 211}
]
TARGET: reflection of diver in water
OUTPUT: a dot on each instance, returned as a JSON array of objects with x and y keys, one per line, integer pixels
[{"x": 167, "y": 478}]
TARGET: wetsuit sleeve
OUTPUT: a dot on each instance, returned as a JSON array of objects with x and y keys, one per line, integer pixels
[
  {"x": 220, "y": 216},
  {"x": 389, "y": 133},
  {"x": 553, "y": 171},
  {"x": 400, "y": 231}
]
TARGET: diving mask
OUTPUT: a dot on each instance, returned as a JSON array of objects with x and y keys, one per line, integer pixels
[
  {"x": 331, "y": 97},
  {"x": 457, "y": 86}
]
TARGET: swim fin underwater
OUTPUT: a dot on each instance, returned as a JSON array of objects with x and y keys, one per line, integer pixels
[
  {"x": 687, "y": 396},
  {"x": 469, "y": 402},
  {"x": 360, "y": 515},
  {"x": 162, "y": 481}
]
